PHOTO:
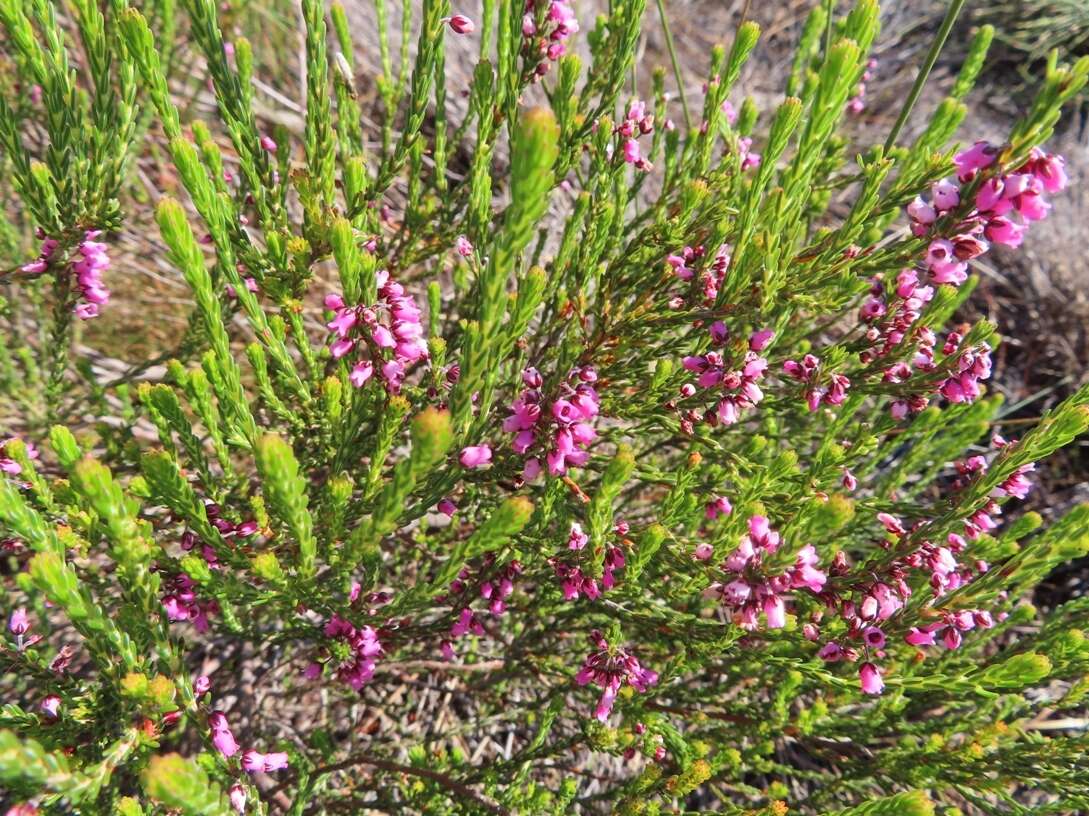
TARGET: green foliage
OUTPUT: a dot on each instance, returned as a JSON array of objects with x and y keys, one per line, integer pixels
[{"x": 618, "y": 417}]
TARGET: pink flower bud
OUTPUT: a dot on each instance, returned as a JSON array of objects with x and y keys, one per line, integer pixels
[
  {"x": 461, "y": 24},
  {"x": 237, "y": 795},
  {"x": 18, "y": 622},
  {"x": 50, "y": 706}
]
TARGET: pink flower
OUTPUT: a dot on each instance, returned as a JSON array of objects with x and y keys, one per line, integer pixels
[
  {"x": 531, "y": 470},
  {"x": 361, "y": 372},
  {"x": 991, "y": 199},
  {"x": 945, "y": 194},
  {"x": 804, "y": 573},
  {"x": 760, "y": 339},
  {"x": 237, "y": 795},
  {"x": 1004, "y": 231},
  {"x": 632, "y": 154},
  {"x": 50, "y": 706},
  {"x": 201, "y": 685},
  {"x": 253, "y": 761},
  {"x": 976, "y": 158},
  {"x": 462, "y": 246},
  {"x": 1049, "y": 169},
  {"x": 275, "y": 761},
  {"x": 577, "y": 539},
  {"x": 891, "y": 523},
  {"x": 1033, "y": 207},
  {"x": 18, "y": 622},
  {"x": 222, "y": 738},
  {"x": 461, "y": 24},
  {"x": 921, "y": 212},
  {"x": 874, "y": 638},
  {"x": 919, "y": 637},
  {"x": 475, "y": 456},
  {"x": 849, "y": 481},
  {"x": 703, "y": 552},
  {"x": 268, "y": 144},
  {"x": 447, "y": 507},
  {"x": 870, "y": 678},
  {"x": 775, "y": 610},
  {"x": 719, "y": 507}
]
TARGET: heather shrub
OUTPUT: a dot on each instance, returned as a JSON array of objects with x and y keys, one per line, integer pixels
[{"x": 585, "y": 453}]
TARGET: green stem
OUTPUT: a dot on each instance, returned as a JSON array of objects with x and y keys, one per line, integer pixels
[
  {"x": 924, "y": 72},
  {"x": 829, "y": 25},
  {"x": 676, "y": 64}
]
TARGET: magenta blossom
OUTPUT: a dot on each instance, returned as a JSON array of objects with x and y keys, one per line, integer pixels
[
  {"x": 475, "y": 456},
  {"x": 870, "y": 678},
  {"x": 609, "y": 668}
]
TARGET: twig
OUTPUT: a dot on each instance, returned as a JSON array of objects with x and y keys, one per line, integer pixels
[
  {"x": 424, "y": 773},
  {"x": 440, "y": 665},
  {"x": 676, "y": 65},
  {"x": 928, "y": 65}
]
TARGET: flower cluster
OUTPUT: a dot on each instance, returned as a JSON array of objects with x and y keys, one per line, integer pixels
[
  {"x": 1021, "y": 193},
  {"x": 636, "y": 123},
  {"x": 88, "y": 269},
  {"x": 354, "y": 651},
  {"x": 809, "y": 372},
  {"x": 558, "y": 431},
  {"x": 547, "y": 38},
  {"x": 253, "y": 761},
  {"x": 711, "y": 278},
  {"x": 391, "y": 330},
  {"x": 576, "y": 581},
  {"x": 892, "y": 321},
  {"x": 609, "y": 669},
  {"x": 881, "y": 599},
  {"x": 950, "y": 628},
  {"x": 492, "y": 584},
  {"x": 228, "y": 529},
  {"x": 1017, "y": 485},
  {"x": 740, "y": 384},
  {"x": 182, "y": 604},
  {"x": 972, "y": 365},
  {"x": 750, "y": 590}
]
